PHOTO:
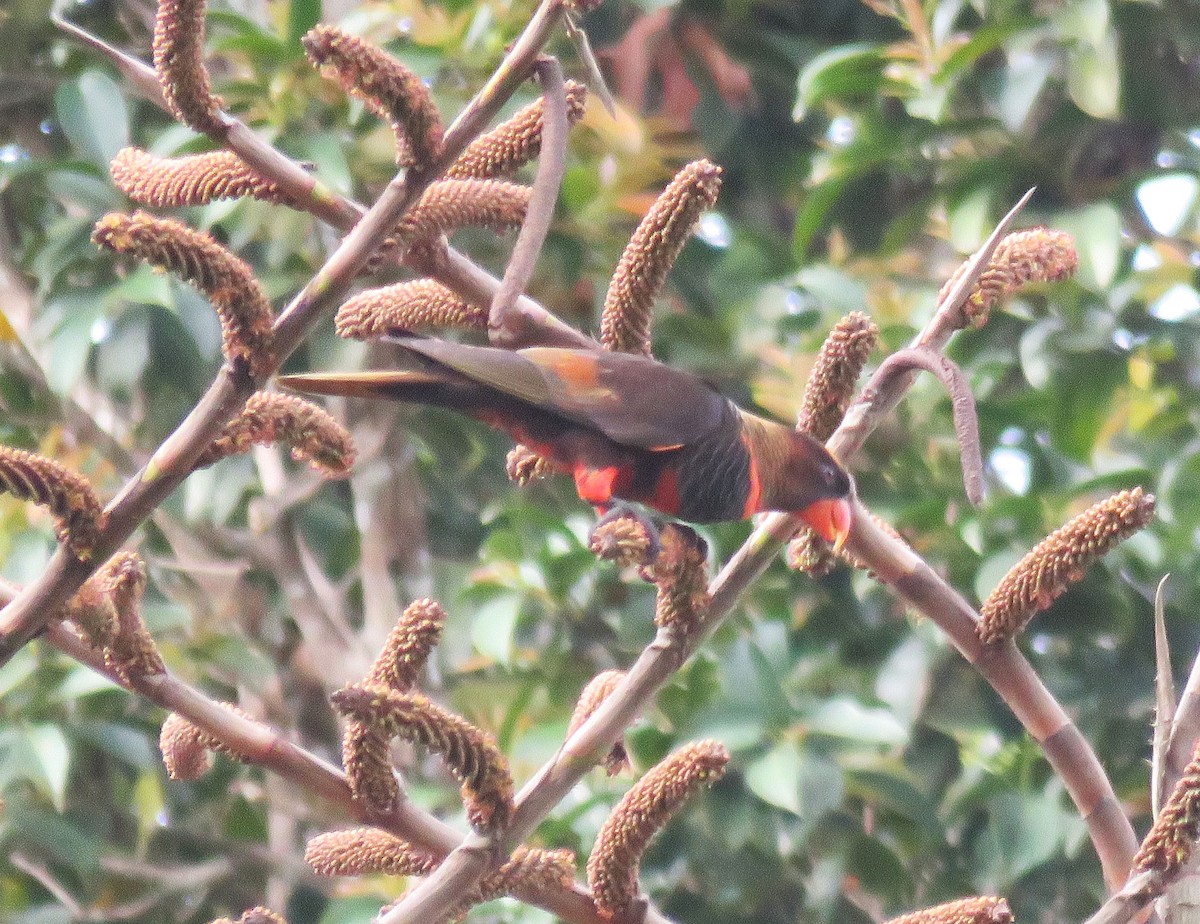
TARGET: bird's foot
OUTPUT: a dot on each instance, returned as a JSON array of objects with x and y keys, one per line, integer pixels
[{"x": 626, "y": 535}]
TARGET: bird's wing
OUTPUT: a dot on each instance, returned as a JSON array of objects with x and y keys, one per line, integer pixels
[{"x": 632, "y": 400}]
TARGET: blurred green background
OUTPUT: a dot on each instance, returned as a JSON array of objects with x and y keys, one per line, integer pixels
[{"x": 866, "y": 148}]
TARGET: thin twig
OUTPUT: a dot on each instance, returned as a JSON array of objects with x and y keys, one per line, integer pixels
[
  {"x": 1165, "y": 702},
  {"x": 503, "y": 318},
  {"x": 138, "y": 74},
  {"x": 962, "y": 406},
  {"x": 302, "y": 188}
]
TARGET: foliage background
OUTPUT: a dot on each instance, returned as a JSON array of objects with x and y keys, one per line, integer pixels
[{"x": 868, "y": 149}]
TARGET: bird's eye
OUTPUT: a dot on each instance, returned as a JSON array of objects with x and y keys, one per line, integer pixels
[{"x": 829, "y": 473}]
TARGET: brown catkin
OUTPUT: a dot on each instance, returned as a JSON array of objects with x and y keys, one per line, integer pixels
[
  {"x": 269, "y": 417},
  {"x": 982, "y": 910},
  {"x": 531, "y": 873},
  {"x": 598, "y": 689},
  {"x": 258, "y": 915},
  {"x": 261, "y": 915},
  {"x": 407, "y": 306},
  {"x": 654, "y": 799},
  {"x": 470, "y": 754},
  {"x": 1060, "y": 560},
  {"x": 132, "y": 653},
  {"x": 93, "y": 612},
  {"x": 650, "y": 254},
  {"x": 1034, "y": 255},
  {"x": 186, "y": 749},
  {"x": 681, "y": 575},
  {"x": 834, "y": 374},
  {"x": 523, "y": 465},
  {"x": 811, "y": 554},
  {"x": 78, "y": 515},
  {"x": 389, "y": 89},
  {"x": 449, "y": 205},
  {"x": 1172, "y": 838},
  {"x": 366, "y": 749},
  {"x": 514, "y": 143},
  {"x": 363, "y": 851},
  {"x": 229, "y": 283},
  {"x": 624, "y": 540},
  {"x": 198, "y": 179},
  {"x": 367, "y": 760},
  {"x": 179, "y": 63},
  {"x": 408, "y": 646}
]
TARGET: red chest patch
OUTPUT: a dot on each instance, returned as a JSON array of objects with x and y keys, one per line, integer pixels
[{"x": 598, "y": 486}]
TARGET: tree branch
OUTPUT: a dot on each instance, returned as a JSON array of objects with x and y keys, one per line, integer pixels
[
  {"x": 172, "y": 462},
  {"x": 962, "y": 405},
  {"x": 508, "y": 326}
]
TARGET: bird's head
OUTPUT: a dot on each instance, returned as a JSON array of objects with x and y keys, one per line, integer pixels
[{"x": 812, "y": 485}]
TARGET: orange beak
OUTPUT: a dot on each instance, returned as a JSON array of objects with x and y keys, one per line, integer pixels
[{"x": 830, "y": 519}]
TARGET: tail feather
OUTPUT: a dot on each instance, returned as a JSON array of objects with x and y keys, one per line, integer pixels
[{"x": 402, "y": 385}]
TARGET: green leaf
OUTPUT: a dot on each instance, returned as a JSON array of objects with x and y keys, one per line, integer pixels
[
  {"x": 775, "y": 778},
  {"x": 149, "y": 802},
  {"x": 494, "y": 627},
  {"x": 842, "y": 717},
  {"x": 22, "y": 666},
  {"x": 796, "y": 782},
  {"x": 847, "y": 70},
  {"x": 360, "y": 910},
  {"x": 1096, "y": 230},
  {"x": 49, "y": 746},
  {"x": 1094, "y": 78},
  {"x": 302, "y": 16},
  {"x": 126, "y": 744},
  {"x": 1181, "y": 490},
  {"x": 35, "y": 827},
  {"x": 93, "y": 116}
]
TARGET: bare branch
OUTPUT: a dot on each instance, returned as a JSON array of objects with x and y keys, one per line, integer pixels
[
  {"x": 1165, "y": 702},
  {"x": 503, "y": 318},
  {"x": 962, "y": 406}
]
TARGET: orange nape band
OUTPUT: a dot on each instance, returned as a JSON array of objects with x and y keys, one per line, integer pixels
[{"x": 830, "y": 519}]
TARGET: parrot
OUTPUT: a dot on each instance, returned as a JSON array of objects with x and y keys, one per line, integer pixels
[{"x": 627, "y": 427}]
